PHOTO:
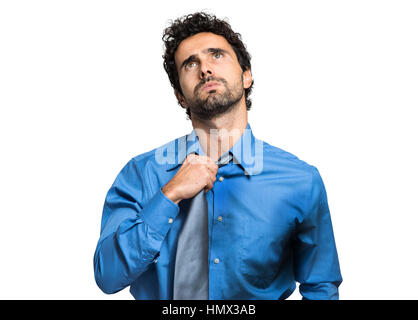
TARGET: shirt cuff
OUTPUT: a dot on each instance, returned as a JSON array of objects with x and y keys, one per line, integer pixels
[{"x": 160, "y": 213}]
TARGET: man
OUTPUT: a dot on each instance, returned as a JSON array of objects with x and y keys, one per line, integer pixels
[{"x": 216, "y": 214}]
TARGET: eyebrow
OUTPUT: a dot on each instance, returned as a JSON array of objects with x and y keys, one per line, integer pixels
[{"x": 194, "y": 57}]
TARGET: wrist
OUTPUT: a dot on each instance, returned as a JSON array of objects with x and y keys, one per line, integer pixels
[{"x": 170, "y": 194}]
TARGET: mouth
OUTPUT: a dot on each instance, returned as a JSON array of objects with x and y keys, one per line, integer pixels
[{"x": 210, "y": 85}]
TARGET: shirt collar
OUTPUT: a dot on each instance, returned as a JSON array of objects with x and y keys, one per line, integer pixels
[{"x": 245, "y": 152}]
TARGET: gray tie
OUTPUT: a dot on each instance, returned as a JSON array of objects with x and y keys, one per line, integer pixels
[{"x": 191, "y": 272}]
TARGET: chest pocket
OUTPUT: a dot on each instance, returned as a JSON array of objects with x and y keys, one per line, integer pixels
[{"x": 265, "y": 250}]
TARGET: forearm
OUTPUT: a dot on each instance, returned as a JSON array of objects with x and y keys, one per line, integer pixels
[
  {"x": 123, "y": 255},
  {"x": 316, "y": 262},
  {"x": 320, "y": 291}
]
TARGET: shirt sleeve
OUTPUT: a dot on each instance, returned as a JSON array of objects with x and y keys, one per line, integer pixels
[
  {"x": 132, "y": 230},
  {"x": 315, "y": 255}
]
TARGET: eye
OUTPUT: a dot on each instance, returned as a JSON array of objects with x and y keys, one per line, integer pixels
[
  {"x": 218, "y": 55},
  {"x": 191, "y": 64}
]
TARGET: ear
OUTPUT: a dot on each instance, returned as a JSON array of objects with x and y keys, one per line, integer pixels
[
  {"x": 180, "y": 99},
  {"x": 247, "y": 78}
]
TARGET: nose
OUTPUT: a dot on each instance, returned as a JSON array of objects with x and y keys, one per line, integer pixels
[{"x": 205, "y": 70}]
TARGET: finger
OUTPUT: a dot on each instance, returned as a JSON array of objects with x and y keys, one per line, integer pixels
[
  {"x": 210, "y": 164},
  {"x": 211, "y": 174},
  {"x": 209, "y": 184},
  {"x": 191, "y": 158},
  {"x": 205, "y": 160},
  {"x": 213, "y": 167}
]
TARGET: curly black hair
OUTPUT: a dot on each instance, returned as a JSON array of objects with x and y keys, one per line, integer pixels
[{"x": 189, "y": 25}]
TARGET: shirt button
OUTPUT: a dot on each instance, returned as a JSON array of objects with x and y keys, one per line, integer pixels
[
  {"x": 216, "y": 260},
  {"x": 221, "y": 179},
  {"x": 170, "y": 220},
  {"x": 220, "y": 218}
]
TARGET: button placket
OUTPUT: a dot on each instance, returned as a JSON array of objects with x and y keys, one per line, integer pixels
[
  {"x": 218, "y": 218},
  {"x": 217, "y": 247}
]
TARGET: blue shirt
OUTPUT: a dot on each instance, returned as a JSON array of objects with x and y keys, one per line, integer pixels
[{"x": 269, "y": 226}]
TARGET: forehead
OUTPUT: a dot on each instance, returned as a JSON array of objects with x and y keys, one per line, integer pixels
[{"x": 199, "y": 42}]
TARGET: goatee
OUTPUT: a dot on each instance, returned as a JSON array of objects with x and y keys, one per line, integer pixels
[{"x": 216, "y": 102}]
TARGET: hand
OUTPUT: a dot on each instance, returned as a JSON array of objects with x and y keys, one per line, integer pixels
[{"x": 196, "y": 173}]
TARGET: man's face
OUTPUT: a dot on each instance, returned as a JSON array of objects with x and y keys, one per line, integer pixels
[{"x": 210, "y": 76}]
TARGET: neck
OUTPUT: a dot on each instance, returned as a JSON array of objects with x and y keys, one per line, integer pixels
[{"x": 218, "y": 135}]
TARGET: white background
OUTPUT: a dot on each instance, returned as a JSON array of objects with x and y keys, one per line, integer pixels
[{"x": 83, "y": 90}]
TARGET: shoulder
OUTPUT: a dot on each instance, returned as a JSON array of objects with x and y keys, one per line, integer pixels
[
  {"x": 286, "y": 165},
  {"x": 305, "y": 178},
  {"x": 158, "y": 158},
  {"x": 279, "y": 157}
]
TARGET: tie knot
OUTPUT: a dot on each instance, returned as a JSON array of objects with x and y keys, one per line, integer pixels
[{"x": 224, "y": 159}]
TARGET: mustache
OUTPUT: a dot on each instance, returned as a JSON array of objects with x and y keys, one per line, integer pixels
[{"x": 205, "y": 80}]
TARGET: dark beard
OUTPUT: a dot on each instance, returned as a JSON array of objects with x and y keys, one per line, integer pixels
[{"x": 215, "y": 103}]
